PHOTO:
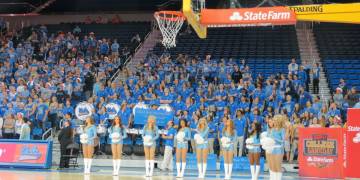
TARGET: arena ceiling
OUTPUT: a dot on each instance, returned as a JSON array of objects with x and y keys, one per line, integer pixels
[{"x": 84, "y": 6}]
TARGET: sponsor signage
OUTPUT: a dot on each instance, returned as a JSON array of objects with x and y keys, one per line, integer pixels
[
  {"x": 262, "y": 16},
  {"x": 353, "y": 143},
  {"x": 163, "y": 114},
  {"x": 31, "y": 154},
  {"x": 321, "y": 152}
]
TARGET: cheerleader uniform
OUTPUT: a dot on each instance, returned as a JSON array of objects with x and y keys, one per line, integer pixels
[
  {"x": 123, "y": 135},
  {"x": 256, "y": 143},
  {"x": 255, "y": 169},
  {"x": 279, "y": 138},
  {"x": 184, "y": 144},
  {"x": 154, "y": 134},
  {"x": 121, "y": 131},
  {"x": 204, "y": 135},
  {"x": 91, "y": 133},
  {"x": 232, "y": 140}
]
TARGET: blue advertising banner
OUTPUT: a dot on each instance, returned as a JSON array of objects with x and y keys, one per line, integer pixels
[
  {"x": 191, "y": 162},
  {"x": 242, "y": 164},
  {"x": 25, "y": 154},
  {"x": 162, "y": 116}
]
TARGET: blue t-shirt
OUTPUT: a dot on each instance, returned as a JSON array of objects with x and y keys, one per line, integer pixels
[{"x": 170, "y": 142}]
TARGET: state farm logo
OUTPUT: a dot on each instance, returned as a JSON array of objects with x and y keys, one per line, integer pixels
[
  {"x": 259, "y": 16},
  {"x": 236, "y": 17},
  {"x": 356, "y": 139}
]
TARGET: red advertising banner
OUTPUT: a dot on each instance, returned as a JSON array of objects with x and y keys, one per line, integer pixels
[
  {"x": 25, "y": 153},
  {"x": 261, "y": 16},
  {"x": 321, "y": 152},
  {"x": 353, "y": 143}
]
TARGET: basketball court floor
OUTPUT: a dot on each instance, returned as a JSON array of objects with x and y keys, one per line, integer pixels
[{"x": 102, "y": 173}]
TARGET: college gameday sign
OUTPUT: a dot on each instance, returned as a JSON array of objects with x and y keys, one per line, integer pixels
[
  {"x": 262, "y": 16},
  {"x": 321, "y": 152}
]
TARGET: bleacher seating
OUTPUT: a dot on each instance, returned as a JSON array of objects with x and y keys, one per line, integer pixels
[
  {"x": 268, "y": 50},
  {"x": 339, "y": 49},
  {"x": 123, "y": 31}
]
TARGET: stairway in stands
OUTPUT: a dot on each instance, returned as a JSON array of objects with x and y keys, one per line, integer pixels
[
  {"x": 310, "y": 55},
  {"x": 150, "y": 41}
]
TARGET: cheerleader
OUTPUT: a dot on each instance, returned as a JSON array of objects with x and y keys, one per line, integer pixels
[
  {"x": 202, "y": 150},
  {"x": 253, "y": 146},
  {"x": 277, "y": 133},
  {"x": 150, "y": 134},
  {"x": 182, "y": 137},
  {"x": 227, "y": 142},
  {"x": 87, "y": 140},
  {"x": 116, "y": 134}
]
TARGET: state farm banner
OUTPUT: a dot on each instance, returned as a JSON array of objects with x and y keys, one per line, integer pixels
[
  {"x": 321, "y": 152},
  {"x": 261, "y": 16},
  {"x": 353, "y": 143}
]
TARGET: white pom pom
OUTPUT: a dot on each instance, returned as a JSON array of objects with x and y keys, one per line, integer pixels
[
  {"x": 180, "y": 137},
  {"x": 248, "y": 142},
  {"x": 267, "y": 144},
  {"x": 198, "y": 139},
  {"x": 225, "y": 142},
  {"x": 148, "y": 141},
  {"x": 84, "y": 138},
  {"x": 263, "y": 135},
  {"x": 115, "y": 137}
]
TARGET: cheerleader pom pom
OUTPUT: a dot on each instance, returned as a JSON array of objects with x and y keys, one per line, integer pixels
[
  {"x": 84, "y": 138},
  {"x": 147, "y": 140},
  {"x": 198, "y": 139},
  {"x": 249, "y": 141},
  {"x": 115, "y": 137},
  {"x": 225, "y": 142},
  {"x": 180, "y": 137},
  {"x": 267, "y": 144},
  {"x": 263, "y": 135}
]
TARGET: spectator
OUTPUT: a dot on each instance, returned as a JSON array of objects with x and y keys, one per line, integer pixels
[
  {"x": 77, "y": 30},
  {"x": 65, "y": 138},
  {"x": 352, "y": 97},
  {"x": 9, "y": 127},
  {"x": 293, "y": 67},
  {"x": 25, "y": 130},
  {"x": 316, "y": 78},
  {"x": 338, "y": 97}
]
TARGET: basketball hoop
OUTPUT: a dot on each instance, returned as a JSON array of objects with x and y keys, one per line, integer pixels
[{"x": 169, "y": 23}]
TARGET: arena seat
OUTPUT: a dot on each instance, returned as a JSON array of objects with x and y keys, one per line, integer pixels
[{"x": 339, "y": 49}]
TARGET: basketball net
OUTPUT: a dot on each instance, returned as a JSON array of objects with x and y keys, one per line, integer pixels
[{"x": 170, "y": 23}]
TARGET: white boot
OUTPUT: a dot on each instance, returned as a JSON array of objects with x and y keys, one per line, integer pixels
[
  {"x": 230, "y": 170},
  {"x": 178, "y": 169},
  {"x": 183, "y": 166},
  {"x": 89, "y": 165},
  {"x": 85, "y": 165},
  {"x": 118, "y": 166},
  {"x": 226, "y": 168},
  {"x": 199, "y": 170},
  {"x": 151, "y": 168},
  {"x": 146, "y": 168},
  {"x": 279, "y": 176},
  {"x": 257, "y": 172},
  {"x": 252, "y": 169},
  {"x": 204, "y": 170},
  {"x": 114, "y": 167},
  {"x": 271, "y": 175}
]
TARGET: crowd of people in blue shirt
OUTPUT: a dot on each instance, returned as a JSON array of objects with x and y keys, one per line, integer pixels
[{"x": 45, "y": 76}]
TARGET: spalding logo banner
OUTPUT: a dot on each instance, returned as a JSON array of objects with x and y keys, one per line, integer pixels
[
  {"x": 321, "y": 152},
  {"x": 262, "y": 16}
]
